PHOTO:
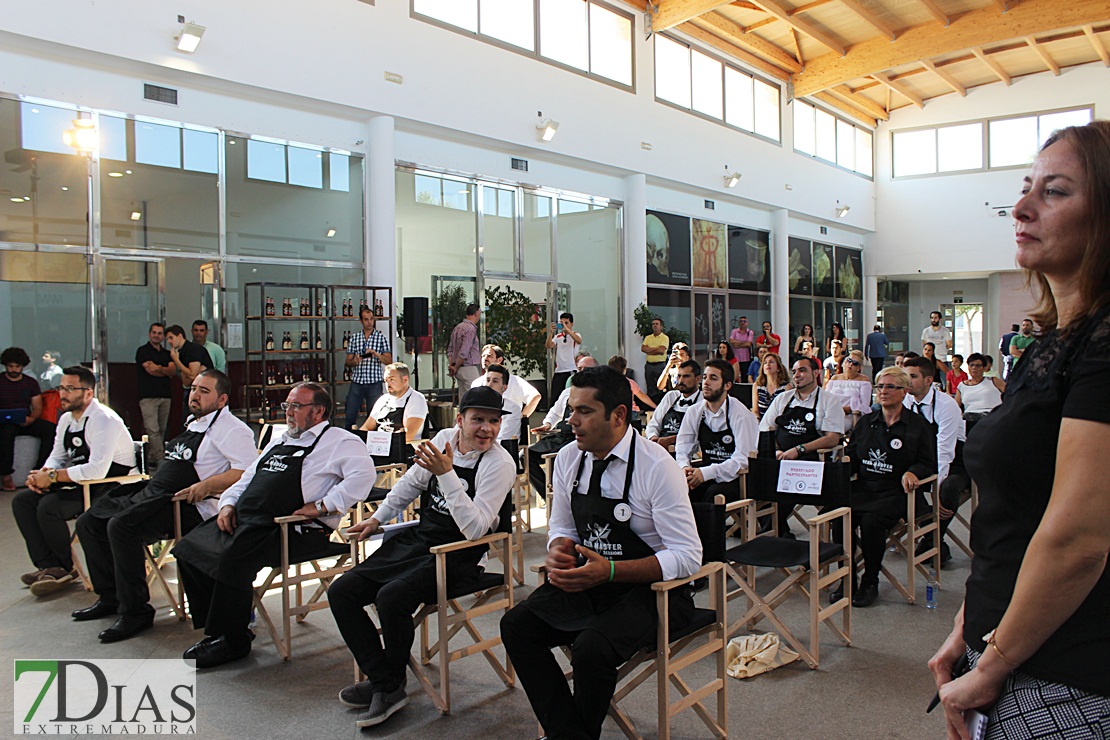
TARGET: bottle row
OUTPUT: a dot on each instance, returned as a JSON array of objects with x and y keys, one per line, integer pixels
[
  {"x": 288, "y": 344},
  {"x": 300, "y": 371},
  {"x": 305, "y": 308}
]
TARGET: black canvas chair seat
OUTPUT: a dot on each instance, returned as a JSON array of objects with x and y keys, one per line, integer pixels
[{"x": 780, "y": 552}]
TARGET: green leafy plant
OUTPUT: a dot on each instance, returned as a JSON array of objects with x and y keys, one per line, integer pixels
[
  {"x": 448, "y": 309},
  {"x": 513, "y": 325},
  {"x": 644, "y": 316}
]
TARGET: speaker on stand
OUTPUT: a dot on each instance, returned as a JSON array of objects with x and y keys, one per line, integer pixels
[{"x": 414, "y": 327}]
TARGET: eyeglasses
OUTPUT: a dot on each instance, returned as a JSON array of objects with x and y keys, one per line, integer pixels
[
  {"x": 72, "y": 388},
  {"x": 295, "y": 407},
  {"x": 853, "y": 362},
  {"x": 889, "y": 387}
]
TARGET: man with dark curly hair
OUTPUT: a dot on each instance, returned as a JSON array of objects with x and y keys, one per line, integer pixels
[{"x": 20, "y": 393}]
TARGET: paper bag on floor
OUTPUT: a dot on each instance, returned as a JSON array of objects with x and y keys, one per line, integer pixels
[{"x": 754, "y": 654}]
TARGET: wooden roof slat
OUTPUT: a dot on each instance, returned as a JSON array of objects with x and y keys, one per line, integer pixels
[
  {"x": 736, "y": 34},
  {"x": 1002, "y": 5},
  {"x": 670, "y": 13},
  {"x": 974, "y": 28},
  {"x": 783, "y": 14},
  {"x": 856, "y": 7},
  {"x": 1043, "y": 54},
  {"x": 1089, "y": 32},
  {"x": 805, "y": 8},
  {"x": 798, "y": 47},
  {"x": 733, "y": 50},
  {"x": 948, "y": 79},
  {"x": 867, "y": 105},
  {"x": 744, "y": 5},
  {"x": 936, "y": 12},
  {"x": 898, "y": 88},
  {"x": 760, "y": 24},
  {"x": 834, "y": 102},
  {"x": 995, "y": 66}
]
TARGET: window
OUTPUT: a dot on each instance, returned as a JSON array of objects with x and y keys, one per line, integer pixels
[
  {"x": 836, "y": 140},
  {"x": 581, "y": 34},
  {"x": 699, "y": 82},
  {"x": 961, "y": 147}
]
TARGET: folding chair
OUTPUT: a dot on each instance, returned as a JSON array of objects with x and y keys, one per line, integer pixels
[
  {"x": 903, "y": 538},
  {"x": 972, "y": 494},
  {"x": 808, "y": 567},
  {"x": 676, "y": 650},
  {"x": 268, "y": 432}
]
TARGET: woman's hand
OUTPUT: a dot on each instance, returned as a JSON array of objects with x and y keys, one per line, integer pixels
[{"x": 973, "y": 690}]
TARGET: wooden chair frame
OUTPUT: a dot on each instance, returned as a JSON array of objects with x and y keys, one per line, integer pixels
[
  {"x": 904, "y": 539},
  {"x": 966, "y": 521}
]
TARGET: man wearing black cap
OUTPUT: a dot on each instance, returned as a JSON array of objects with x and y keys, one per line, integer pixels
[{"x": 463, "y": 478}]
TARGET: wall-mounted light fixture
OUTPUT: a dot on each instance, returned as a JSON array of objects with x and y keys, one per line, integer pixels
[
  {"x": 731, "y": 179},
  {"x": 82, "y": 137},
  {"x": 547, "y": 128},
  {"x": 189, "y": 38},
  {"x": 136, "y": 215},
  {"x": 331, "y": 233},
  {"x": 842, "y": 210}
]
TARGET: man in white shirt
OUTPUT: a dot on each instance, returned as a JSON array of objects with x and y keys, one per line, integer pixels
[
  {"x": 91, "y": 442},
  {"x": 463, "y": 478},
  {"x": 725, "y": 431},
  {"x": 937, "y": 333},
  {"x": 555, "y": 421},
  {"x": 208, "y": 457},
  {"x": 497, "y": 378},
  {"x": 667, "y": 419},
  {"x": 619, "y": 521},
  {"x": 519, "y": 389},
  {"x": 294, "y": 475},
  {"x": 565, "y": 341},
  {"x": 401, "y": 407}
]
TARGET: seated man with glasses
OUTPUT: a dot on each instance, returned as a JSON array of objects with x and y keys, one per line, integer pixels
[
  {"x": 91, "y": 443},
  {"x": 203, "y": 461},
  {"x": 890, "y": 450},
  {"x": 294, "y": 475}
]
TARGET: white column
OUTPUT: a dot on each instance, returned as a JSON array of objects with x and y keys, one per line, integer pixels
[
  {"x": 780, "y": 284},
  {"x": 634, "y": 265},
  {"x": 870, "y": 305},
  {"x": 381, "y": 207}
]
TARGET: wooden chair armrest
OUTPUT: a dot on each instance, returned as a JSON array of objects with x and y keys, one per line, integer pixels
[
  {"x": 828, "y": 516},
  {"x": 416, "y": 442},
  {"x": 117, "y": 479},
  {"x": 703, "y": 571},
  {"x": 929, "y": 479},
  {"x": 489, "y": 539},
  {"x": 549, "y": 455},
  {"x": 398, "y": 467},
  {"x": 739, "y": 505},
  {"x": 292, "y": 519},
  {"x": 539, "y": 568}
]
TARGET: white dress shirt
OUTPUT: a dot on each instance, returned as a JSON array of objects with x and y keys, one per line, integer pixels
[
  {"x": 416, "y": 406},
  {"x": 745, "y": 430},
  {"x": 940, "y": 407},
  {"x": 105, "y": 434},
  {"x": 519, "y": 389},
  {"x": 661, "y": 512},
  {"x": 670, "y": 398},
  {"x": 565, "y": 350},
  {"x": 555, "y": 413},
  {"x": 830, "y": 410},
  {"x": 228, "y": 444},
  {"x": 510, "y": 422},
  {"x": 475, "y": 517},
  {"x": 339, "y": 472}
]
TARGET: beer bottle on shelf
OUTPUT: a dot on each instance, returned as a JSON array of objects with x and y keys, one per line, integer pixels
[
  {"x": 286, "y": 307},
  {"x": 319, "y": 306},
  {"x": 269, "y": 340},
  {"x": 304, "y": 340},
  {"x": 286, "y": 342},
  {"x": 319, "y": 341},
  {"x": 269, "y": 306},
  {"x": 346, "y": 339}
]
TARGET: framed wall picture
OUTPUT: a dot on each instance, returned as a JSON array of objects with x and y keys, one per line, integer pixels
[
  {"x": 668, "y": 249},
  {"x": 749, "y": 259},
  {"x": 823, "y": 270},
  {"x": 849, "y": 274},
  {"x": 710, "y": 254},
  {"x": 799, "y": 267}
]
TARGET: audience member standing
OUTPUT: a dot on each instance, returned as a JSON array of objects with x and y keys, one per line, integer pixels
[
  {"x": 51, "y": 376},
  {"x": 189, "y": 358},
  {"x": 836, "y": 334},
  {"x": 215, "y": 351},
  {"x": 655, "y": 347},
  {"x": 565, "y": 341},
  {"x": 1021, "y": 342},
  {"x": 805, "y": 336},
  {"x": 875, "y": 350},
  {"x": 20, "y": 392},
  {"x": 768, "y": 339},
  {"x": 154, "y": 367},
  {"x": 1004, "y": 350},
  {"x": 937, "y": 334},
  {"x": 464, "y": 356},
  {"x": 742, "y": 341},
  {"x": 368, "y": 353}
]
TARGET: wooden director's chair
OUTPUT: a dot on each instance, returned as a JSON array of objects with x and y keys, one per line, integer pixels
[{"x": 917, "y": 523}]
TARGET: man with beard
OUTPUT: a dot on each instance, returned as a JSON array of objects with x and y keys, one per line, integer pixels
[
  {"x": 208, "y": 457},
  {"x": 519, "y": 389},
  {"x": 91, "y": 443},
  {"x": 667, "y": 419},
  {"x": 463, "y": 478},
  {"x": 20, "y": 392},
  {"x": 938, "y": 334},
  {"x": 294, "y": 476},
  {"x": 725, "y": 431}
]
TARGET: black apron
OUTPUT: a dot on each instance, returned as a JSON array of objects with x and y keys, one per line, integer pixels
[
  {"x": 137, "y": 502},
  {"x": 797, "y": 426},
  {"x": 77, "y": 448},
  {"x": 407, "y": 554},
  {"x": 879, "y": 489},
  {"x": 716, "y": 447},
  {"x": 672, "y": 420},
  {"x": 275, "y": 490},
  {"x": 604, "y": 525},
  {"x": 394, "y": 420}
]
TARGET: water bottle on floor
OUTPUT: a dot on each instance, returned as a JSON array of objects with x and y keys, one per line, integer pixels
[{"x": 932, "y": 589}]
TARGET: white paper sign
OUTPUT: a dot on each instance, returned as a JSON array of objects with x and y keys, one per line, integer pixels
[
  {"x": 378, "y": 443},
  {"x": 800, "y": 477},
  {"x": 234, "y": 336}
]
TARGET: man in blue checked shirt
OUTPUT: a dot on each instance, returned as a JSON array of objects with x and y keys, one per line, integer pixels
[{"x": 368, "y": 353}]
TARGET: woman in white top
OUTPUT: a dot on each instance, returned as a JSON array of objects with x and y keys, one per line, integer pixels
[
  {"x": 979, "y": 394},
  {"x": 852, "y": 385}
]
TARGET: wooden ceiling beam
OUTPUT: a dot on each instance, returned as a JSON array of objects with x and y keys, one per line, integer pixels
[
  {"x": 870, "y": 18},
  {"x": 805, "y": 8},
  {"x": 734, "y": 51},
  {"x": 1043, "y": 54},
  {"x": 898, "y": 88},
  {"x": 798, "y": 47},
  {"x": 736, "y": 34},
  {"x": 671, "y": 13},
  {"x": 974, "y": 28},
  {"x": 760, "y": 24},
  {"x": 783, "y": 14},
  {"x": 995, "y": 66},
  {"x": 936, "y": 12},
  {"x": 1002, "y": 5},
  {"x": 946, "y": 77},
  {"x": 744, "y": 5},
  {"x": 834, "y": 102},
  {"x": 867, "y": 105},
  {"x": 1089, "y": 32}
]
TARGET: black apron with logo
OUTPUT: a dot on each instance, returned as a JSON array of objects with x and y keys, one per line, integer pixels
[
  {"x": 797, "y": 426},
  {"x": 672, "y": 420},
  {"x": 879, "y": 486},
  {"x": 137, "y": 502},
  {"x": 407, "y": 554},
  {"x": 394, "y": 420},
  {"x": 275, "y": 490},
  {"x": 77, "y": 448},
  {"x": 604, "y": 525},
  {"x": 716, "y": 447}
]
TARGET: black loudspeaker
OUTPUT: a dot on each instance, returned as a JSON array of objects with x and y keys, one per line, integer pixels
[{"x": 416, "y": 317}]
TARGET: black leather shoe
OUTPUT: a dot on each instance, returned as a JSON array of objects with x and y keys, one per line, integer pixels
[
  {"x": 99, "y": 610},
  {"x": 211, "y": 653},
  {"x": 836, "y": 594},
  {"x": 127, "y": 626},
  {"x": 191, "y": 653},
  {"x": 867, "y": 595}
]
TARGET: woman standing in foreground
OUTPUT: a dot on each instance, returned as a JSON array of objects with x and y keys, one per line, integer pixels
[{"x": 1033, "y": 624}]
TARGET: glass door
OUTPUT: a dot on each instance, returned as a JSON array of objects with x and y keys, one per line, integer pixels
[{"x": 516, "y": 314}]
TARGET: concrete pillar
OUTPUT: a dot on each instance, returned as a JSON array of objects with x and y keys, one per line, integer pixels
[
  {"x": 381, "y": 206},
  {"x": 780, "y": 284},
  {"x": 634, "y": 265}
]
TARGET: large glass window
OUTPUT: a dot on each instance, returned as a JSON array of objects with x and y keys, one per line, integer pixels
[
  {"x": 498, "y": 232},
  {"x": 588, "y": 251},
  {"x": 44, "y": 306},
  {"x": 820, "y": 134}
]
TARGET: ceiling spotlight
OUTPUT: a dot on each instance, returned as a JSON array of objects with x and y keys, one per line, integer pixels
[
  {"x": 331, "y": 233},
  {"x": 82, "y": 137},
  {"x": 136, "y": 215},
  {"x": 16, "y": 199},
  {"x": 842, "y": 210},
  {"x": 115, "y": 174},
  {"x": 731, "y": 179},
  {"x": 547, "y": 128},
  {"x": 189, "y": 38}
]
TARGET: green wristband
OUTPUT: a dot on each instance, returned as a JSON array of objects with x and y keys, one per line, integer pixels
[{"x": 612, "y": 570}]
